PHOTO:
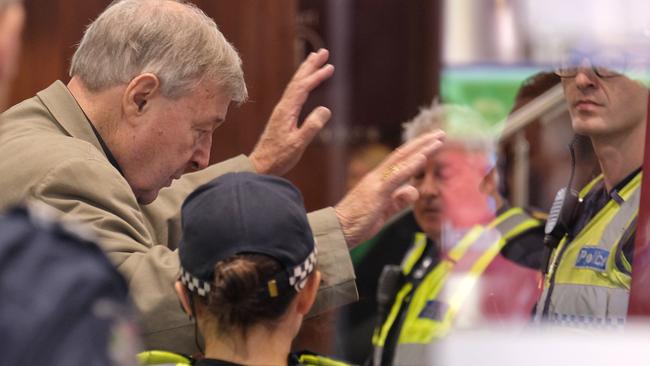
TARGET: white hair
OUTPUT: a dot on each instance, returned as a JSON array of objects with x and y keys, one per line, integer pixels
[
  {"x": 461, "y": 124},
  {"x": 175, "y": 41}
]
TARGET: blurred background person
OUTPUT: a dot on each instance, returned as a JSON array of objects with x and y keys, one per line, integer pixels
[
  {"x": 546, "y": 147},
  {"x": 548, "y": 150},
  {"x": 453, "y": 274},
  {"x": 526, "y": 248},
  {"x": 63, "y": 302}
]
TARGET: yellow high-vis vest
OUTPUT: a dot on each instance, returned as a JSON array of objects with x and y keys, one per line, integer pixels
[
  {"x": 431, "y": 312},
  {"x": 588, "y": 279}
]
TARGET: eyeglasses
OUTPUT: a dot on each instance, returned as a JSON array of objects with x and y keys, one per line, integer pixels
[
  {"x": 571, "y": 72},
  {"x": 605, "y": 64}
]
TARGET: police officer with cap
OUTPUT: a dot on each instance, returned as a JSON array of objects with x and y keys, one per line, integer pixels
[{"x": 248, "y": 270}]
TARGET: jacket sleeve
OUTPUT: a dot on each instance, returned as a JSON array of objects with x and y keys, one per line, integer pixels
[{"x": 141, "y": 241}]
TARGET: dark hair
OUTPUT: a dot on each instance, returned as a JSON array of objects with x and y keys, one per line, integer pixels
[
  {"x": 531, "y": 88},
  {"x": 235, "y": 300},
  {"x": 534, "y": 86}
]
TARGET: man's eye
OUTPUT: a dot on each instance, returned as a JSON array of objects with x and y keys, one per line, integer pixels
[
  {"x": 443, "y": 174},
  {"x": 419, "y": 175},
  {"x": 201, "y": 133}
]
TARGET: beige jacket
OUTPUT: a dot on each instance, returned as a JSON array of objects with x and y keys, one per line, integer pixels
[{"x": 49, "y": 153}]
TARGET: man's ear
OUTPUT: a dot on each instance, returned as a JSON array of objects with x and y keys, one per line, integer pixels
[
  {"x": 307, "y": 296},
  {"x": 490, "y": 183},
  {"x": 139, "y": 92},
  {"x": 183, "y": 296},
  {"x": 490, "y": 186}
]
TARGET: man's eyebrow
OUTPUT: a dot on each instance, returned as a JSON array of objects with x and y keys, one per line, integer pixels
[{"x": 213, "y": 122}]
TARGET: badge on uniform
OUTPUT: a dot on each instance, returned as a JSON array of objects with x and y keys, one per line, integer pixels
[{"x": 592, "y": 258}]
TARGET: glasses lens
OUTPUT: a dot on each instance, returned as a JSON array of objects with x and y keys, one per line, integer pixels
[
  {"x": 566, "y": 72},
  {"x": 604, "y": 63},
  {"x": 608, "y": 63},
  {"x": 604, "y": 72}
]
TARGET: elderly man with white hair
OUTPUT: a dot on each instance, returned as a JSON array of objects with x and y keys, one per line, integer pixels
[{"x": 457, "y": 272}]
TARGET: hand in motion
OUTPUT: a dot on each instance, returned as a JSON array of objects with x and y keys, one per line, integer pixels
[
  {"x": 282, "y": 143},
  {"x": 384, "y": 191}
]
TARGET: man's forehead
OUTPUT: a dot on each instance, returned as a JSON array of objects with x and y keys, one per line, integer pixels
[{"x": 458, "y": 150}]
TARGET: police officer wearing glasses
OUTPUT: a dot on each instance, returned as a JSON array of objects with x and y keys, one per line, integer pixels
[{"x": 589, "y": 272}]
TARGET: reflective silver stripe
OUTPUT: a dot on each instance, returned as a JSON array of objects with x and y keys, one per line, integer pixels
[
  {"x": 584, "y": 322},
  {"x": 411, "y": 354},
  {"x": 539, "y": 308},
  {"x": 511, "y": 223},
  {"x": 377, "y": 353},
  {"x": 588, "y": 303}
]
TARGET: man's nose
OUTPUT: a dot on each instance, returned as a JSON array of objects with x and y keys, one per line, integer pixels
[
  {"x": 430, "y": 186},
  {"x": 586, "y": 76},
  {"x": 201, "y": 157}
]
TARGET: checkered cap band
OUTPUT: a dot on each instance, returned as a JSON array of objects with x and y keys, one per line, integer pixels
[
  {"x": 298, "y": 276},
  {"x": 194, "y": 284}
]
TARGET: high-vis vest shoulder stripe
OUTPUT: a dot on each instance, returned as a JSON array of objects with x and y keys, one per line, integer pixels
[{"x": 431, "y": 312}]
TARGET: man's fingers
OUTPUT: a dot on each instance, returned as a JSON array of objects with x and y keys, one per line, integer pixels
[
  {"x": 403, "y": 197},
  {"x": 298, "y": 90},
  {"x": 400, "y": 171},
  {"x": 313, "y": 62},
  {"x": 317, "y": 77},
  {"x": 426, "y": 143},
  {"x": 397, "y": 174},
  {"x": 314, "y": 122}
]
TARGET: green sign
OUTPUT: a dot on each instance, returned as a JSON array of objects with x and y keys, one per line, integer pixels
[{"x": 488, "y": 90}]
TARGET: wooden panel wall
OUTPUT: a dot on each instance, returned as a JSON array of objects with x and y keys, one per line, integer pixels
[{"x": 51, "y": 31}]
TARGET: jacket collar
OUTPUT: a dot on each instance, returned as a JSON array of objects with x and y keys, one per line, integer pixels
[{"x": 68, "y": 114}]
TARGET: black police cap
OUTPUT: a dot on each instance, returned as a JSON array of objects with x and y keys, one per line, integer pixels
[{"x": 245, "y": 213}]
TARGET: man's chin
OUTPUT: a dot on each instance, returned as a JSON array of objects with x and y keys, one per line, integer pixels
[{"x": 145, "y": 198}]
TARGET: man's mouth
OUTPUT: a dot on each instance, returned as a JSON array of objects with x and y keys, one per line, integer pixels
[
  {"x": 431, "y": 210},
  {"x": 586, "y": 104}
]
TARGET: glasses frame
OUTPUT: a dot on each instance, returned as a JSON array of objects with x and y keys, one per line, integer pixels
[{"x": 571, "y": 72}]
